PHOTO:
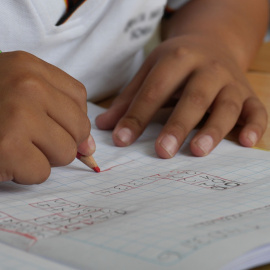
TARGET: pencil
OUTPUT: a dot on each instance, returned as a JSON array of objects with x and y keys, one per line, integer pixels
[{"x": 88, "y": 161}]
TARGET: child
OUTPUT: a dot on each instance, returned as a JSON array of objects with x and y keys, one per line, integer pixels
[{"x": 55, "y": 57}]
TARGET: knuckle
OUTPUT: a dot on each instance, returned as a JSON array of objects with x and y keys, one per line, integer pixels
[
  {"x": 198, "y": 98},
  {"x": 25, "y": 82},
  {"x": 28, "y": 85},
  {"x": 216, "y": 67},
  {"x": 134, "y": 121},
  {"x": 181, "y": 52},
  {"x": 150, "y": 94},
  {"x": 21, "y": 56},
  {"x": 177, "y": 128},
  {"x": 231, "y": 106},
  {"x": 218, "y": 70}
]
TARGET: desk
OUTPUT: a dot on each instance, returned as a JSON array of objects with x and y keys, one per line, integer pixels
[
  {"x": 261, "y": 62},
  {"x": 259, "y": 78},
  {"x": 261, "y": 85}
]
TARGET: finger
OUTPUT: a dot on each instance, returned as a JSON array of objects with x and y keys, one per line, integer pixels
[
  {"x": 87, "y": 147},
  {"x": 254, "y": 116},
  {"x": 58, "y": 106},
  {"x": 64, "y": 111},
  {"x": 68, "y": 85},
  {"x": 109, "y": 119},
  {"x": 30, "y": 124},
  {"x": 23, "y": 162},
  {"x": 52, "y": 140},
  {"x": 197, "y": 97},
  {"x": 224, "y": 116},
  {"x": 158, "y": 86},
  {"x": 75, "y": 122}
]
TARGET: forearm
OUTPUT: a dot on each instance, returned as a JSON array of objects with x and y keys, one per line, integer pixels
[{"x": 239, "y": 26}]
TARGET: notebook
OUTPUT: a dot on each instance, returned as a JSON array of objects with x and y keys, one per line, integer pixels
[{"x": 140, "y": 211}]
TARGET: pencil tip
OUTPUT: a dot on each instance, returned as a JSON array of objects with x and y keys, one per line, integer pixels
[{"x": 96, "y": 169}]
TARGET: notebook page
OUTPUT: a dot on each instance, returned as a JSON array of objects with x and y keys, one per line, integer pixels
[
  {"x": 142, "y": 212},
  {"x": 12, "y": 258},
  {"x": 254, "y": 258}
]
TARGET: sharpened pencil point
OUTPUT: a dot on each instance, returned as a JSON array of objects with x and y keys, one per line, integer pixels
[
  {"x": 96, "y": 169},
  {"x": 88, "y": 161}
]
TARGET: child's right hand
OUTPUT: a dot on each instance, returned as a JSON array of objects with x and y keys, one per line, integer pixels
[{"x": 43, "y": 118}]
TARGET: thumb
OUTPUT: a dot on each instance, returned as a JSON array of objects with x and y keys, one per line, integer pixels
[{"x": 87, "y": 147}]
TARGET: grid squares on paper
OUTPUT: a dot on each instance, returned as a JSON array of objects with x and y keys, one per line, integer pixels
[
  {"x": 166, "y": 249},
  {"x": 162, "y": 210}
]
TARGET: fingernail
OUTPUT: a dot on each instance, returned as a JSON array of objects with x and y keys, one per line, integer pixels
[
  {"x": 125, "y": 135},
  {"x": 91, "y": 144},
  {"x": 252, "y": 136},
  {"x": 205, "y": 143},
  {"x": 170, "y": 144},
  {"x": 87, "y": 147}
]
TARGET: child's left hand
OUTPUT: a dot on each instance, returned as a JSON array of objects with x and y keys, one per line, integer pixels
[{"x": 205, "y": 78}]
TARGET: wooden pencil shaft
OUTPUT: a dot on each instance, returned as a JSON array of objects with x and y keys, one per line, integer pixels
[{"x": 88, "y": 161}]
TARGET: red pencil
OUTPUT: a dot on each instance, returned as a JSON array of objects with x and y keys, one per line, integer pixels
[{"x": 88, "y": 161}]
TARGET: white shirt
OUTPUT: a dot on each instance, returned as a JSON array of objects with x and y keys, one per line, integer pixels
[{"x": 99, "y": 45}]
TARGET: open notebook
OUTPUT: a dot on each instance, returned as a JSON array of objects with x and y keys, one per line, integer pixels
[{"x": 141, "y": 212}]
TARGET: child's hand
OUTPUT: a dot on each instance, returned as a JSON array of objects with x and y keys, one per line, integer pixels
[
  {"x": 204, "y": 77},
  {"x": 43, "y": 118}
]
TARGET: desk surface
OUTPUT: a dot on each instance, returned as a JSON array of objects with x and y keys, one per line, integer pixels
[
  {"x": 261, "y": 84},
  {"x": 259, "y": 78}
]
